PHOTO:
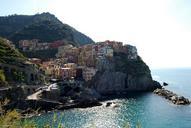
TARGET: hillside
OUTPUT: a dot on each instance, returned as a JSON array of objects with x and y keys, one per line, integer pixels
[
  {"x": 14, "y": 67},
  {"x": 8, "y": 54},
  {"x": 45, "y": 27}
]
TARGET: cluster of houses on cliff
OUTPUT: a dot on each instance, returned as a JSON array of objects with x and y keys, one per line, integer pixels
[
  {"x": 35, "y": 45},
  {"x": 83, "y": 62}
]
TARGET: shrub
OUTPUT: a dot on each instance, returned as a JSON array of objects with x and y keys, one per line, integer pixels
[{"x": 2, "y": 76}]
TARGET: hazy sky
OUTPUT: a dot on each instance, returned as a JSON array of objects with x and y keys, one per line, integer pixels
[{"x": 160, "y": 29}]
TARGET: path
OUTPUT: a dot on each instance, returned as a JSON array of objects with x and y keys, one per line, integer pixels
[{"x": 34, "y": 96}]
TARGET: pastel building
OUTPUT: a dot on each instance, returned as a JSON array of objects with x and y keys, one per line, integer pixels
[
  {"x": 56, "y": 72},
  {"x": 28, "y": 45},
  {"x": 68, "y": 71},
  {"x": 105, "y": 51},
  {"x": 70, "y": 65},
  {"x": 62, "y": 50},
  {"x": 56, "y": 44},
  {"x": 51, "y": 69},
  {"x": 69, "y": 52},
  {"x": 42, "y": 46},
  {"x": 115, "y": 45},
  {"x": 131, "y": 52}
]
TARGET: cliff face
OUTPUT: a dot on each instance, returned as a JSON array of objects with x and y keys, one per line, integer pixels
[{"x": 122, "y": 73}]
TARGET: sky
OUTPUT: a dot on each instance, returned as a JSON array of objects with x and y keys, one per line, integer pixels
[{"x": 160, "y": 29}]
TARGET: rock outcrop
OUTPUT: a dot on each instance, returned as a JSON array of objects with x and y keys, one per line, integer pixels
[
  {"x": 121, "y": 74},
  {"x": 174, "y": 98},
  {"x": 77, "y": 93}
]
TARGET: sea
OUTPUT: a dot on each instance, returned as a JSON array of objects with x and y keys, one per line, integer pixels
[{"x": 146, "y": 110}]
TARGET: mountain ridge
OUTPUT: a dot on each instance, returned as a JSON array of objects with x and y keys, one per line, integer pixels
[{"x": 45, "y": 27}]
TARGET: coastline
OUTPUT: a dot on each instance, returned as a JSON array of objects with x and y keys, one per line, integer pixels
[
  {"x": 30, "y": 108},
  {"x": 29, "y": 112}
]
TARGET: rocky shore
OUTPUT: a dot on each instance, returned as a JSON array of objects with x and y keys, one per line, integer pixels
[
  {"x": 30, "y": 108},
  {"x": 174, "y": 98},
  {"x": 54, "y": 97},
  {"x": 57, "y": 96}
]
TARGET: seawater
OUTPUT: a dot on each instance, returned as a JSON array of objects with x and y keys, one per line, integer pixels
[{"x": 146, "y": 109}]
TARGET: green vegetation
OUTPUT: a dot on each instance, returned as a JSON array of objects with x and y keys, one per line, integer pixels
[
  {"x": 127, "y": 125},
  {"x": 45, "y": 27},
  {"x": 133, "y": 67},
  {"x": 13, "y": 119},
  {"x": 45, "y": 31},
  {"x": 3, "y": 81},
  {"x": 2, "y": 76},
  {"x": 138, "y": 125},
  {"x": 9, "y": 54},
  {"x": 12, "y": 64},
  {"x": 19, "y": 76}
]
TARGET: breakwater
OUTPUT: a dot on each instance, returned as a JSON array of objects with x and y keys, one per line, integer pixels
[{"x": 174, "y": 98}]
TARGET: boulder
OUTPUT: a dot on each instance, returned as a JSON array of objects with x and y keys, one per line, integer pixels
[
  {"x": 108, "y": 104},
  {"x": 173, "y": 98}
]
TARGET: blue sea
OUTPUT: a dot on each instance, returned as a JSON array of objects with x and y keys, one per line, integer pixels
[{"x": 146, "y": 109}]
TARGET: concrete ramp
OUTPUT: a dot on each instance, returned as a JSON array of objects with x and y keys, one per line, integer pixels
[{"x": 34, "y": 96}]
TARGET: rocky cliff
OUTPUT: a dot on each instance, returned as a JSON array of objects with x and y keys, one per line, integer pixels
[{"x": 121, "y": 74}]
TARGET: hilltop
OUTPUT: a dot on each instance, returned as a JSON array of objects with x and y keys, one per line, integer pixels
[{"x": 45, "y": 27}]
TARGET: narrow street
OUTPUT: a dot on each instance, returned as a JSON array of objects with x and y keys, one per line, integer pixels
[{"x": 35, "y": 96}]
